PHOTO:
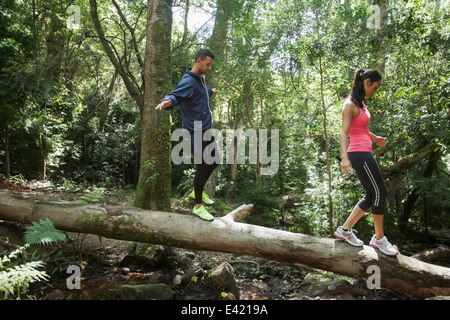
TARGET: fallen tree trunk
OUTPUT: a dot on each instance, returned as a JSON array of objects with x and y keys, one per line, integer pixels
[
  {"x": 441, "y": 252},
  {"x": 401, "y": 273}
]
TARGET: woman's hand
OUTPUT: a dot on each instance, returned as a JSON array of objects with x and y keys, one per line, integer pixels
[
  {"x": 346, "y": 165},
  {"x": 380, "y": 141}
]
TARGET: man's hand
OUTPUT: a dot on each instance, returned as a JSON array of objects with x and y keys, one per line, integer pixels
[
  {"x": 215, "y": 90},
  {"x": 163, "y": 105}
]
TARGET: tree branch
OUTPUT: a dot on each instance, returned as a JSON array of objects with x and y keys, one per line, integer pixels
[
  {"x": 133, "y": 37},
  {"x": 113, "y": 57}
]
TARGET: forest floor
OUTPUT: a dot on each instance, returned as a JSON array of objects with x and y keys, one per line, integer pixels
[{"x": 107, "y": 264}]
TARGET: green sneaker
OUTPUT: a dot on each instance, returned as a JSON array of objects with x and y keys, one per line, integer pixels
[
  {"x": 205, "y": 197},
  {"x": 202, "y": 213}
]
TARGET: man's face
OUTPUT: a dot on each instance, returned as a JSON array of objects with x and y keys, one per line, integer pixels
[{"x": 205, "y": 65}]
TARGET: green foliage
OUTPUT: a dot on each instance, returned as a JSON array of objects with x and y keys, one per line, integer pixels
[
  {"x": 17, "y": 275},
  {"x": 149, "y": 165},
  {"x": 185, "y": 182},
  {"x": 43, "y": 233},
  {"x": 91, "y": 197},
  {"x": 16, "y": 278},
  {"x": 63, "y": 105},
  {"x": 266, "y": 211}
]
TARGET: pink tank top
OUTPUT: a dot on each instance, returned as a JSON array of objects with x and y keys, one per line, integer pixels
[{"x": 359, "y": 132}]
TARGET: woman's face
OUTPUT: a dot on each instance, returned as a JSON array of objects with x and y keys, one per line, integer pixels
[{"x": 370, "y": 88}]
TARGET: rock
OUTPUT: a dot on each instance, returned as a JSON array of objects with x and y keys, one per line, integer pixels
[
  {"x": 338, "y": 287},
  {"x": 439, "y": 298},
  {"x": 228, "y": 296},
  {"x": 151, "y": 254},
  {"x": 159, "y": 291},
  {"x": 158, "y": 277},
  {"x": 54, "y": 295},
  {"x": 223, "y": 276},
  {"x": 186, "y": 258},
  {"x": 124, "y": 271},
  {"x": 127, "y": 261},
  {"x": 190, "y": 255},
  {"x": 177, "y": 280},
  {"x": 188, "y": 274}
]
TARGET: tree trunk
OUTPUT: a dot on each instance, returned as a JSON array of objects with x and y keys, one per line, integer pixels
[
  {"x": 153, "y": 190},
  {"x": 327, "y": 148},
  {"x": 42, "y": 156},
  {"x": 410, "y": 202},
  {"x": 401, "y": 273},
  {"x": 217, "y": 44},
  {"x": 4, "y": 138}
]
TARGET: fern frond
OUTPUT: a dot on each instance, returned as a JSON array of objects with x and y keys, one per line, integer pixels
[
  {"x": 43, "y": 233},
  {"x": 18, "y": 278},
  {"x": 6, "y": 260},
  {"x": 91, "y": 197}
]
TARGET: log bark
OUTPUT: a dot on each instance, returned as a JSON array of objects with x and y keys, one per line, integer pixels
[
  {"x": 441, "y": 252},
  {"x": 401, "y": 273}
]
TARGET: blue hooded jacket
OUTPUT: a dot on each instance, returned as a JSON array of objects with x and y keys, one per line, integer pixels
[{"x": 193, "y": 97}]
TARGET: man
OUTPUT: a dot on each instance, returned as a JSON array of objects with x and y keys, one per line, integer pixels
[{"x": 193, "y": 97}]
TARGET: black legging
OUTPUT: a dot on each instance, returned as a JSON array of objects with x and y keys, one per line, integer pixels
[
  {"x": 203, "y": 169},
  {"x": 369, "y": 174}
]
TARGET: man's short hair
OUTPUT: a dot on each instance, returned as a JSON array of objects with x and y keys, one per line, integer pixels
[{"x": 203, "y": 53}]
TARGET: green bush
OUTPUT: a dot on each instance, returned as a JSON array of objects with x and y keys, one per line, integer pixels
[
  {"x": 15, "y": 278},
  {"x": 17, "y": 275},
  {"x": 266, "y": 211}
]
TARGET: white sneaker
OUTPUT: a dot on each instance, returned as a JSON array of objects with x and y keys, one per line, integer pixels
[
  {"x": 383, "y": 245},
  {"x": 348, "y": 236}
]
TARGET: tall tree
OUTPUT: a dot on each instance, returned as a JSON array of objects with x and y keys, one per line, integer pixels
[
  {"x": 153, "y": 190},
  {"x": 218, "y": 44}
]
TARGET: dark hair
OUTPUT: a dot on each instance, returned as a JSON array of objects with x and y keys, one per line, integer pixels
[
  {"x": 203, "y": 53},
  {"x": 357, "y": 94}
]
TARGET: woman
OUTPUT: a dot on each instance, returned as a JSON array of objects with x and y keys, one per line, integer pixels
[{"x": 355, "y": 125}]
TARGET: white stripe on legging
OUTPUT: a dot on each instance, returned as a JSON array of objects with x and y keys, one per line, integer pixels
[{"x": 374, "y": 184}]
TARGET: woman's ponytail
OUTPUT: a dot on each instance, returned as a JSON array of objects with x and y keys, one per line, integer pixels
[{"x": 358, "y": 94}]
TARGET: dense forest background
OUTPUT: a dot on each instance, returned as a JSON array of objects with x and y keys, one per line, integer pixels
[{"x": 72, "y": 79}]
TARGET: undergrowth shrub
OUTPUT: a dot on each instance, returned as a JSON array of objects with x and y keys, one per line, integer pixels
[
  {"x": 266, "y": 211},
  {"x": 18, "y": 270},
  {"x": 16, "y": 277}
]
